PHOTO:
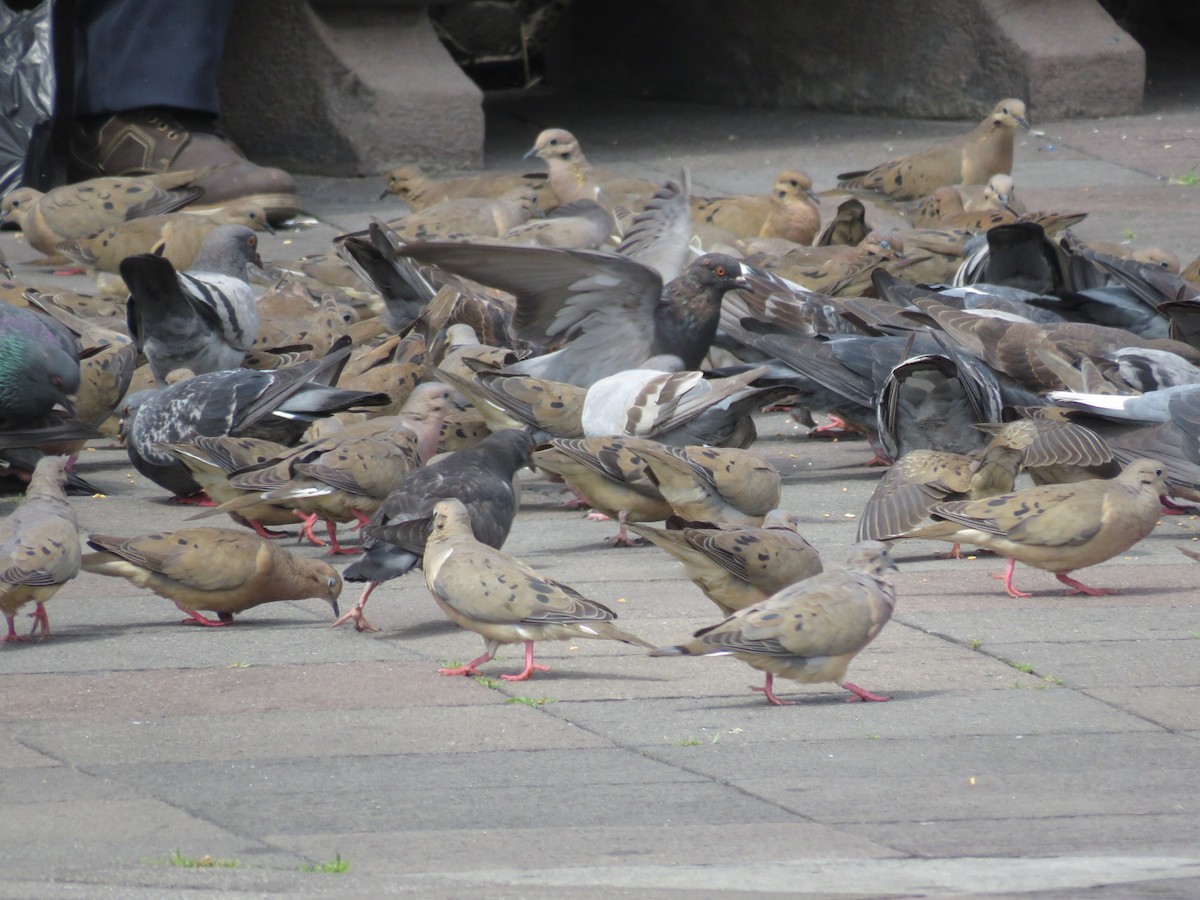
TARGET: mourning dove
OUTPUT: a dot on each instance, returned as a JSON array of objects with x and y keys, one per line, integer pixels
[
  {"x": 848, "y": 227},
  {"x": 584, "y": 224},
  {"x": 738, "y": 565},
  {"x": 789, "y": 212},
  {"x": 610, "y": 474},
  {"x": 211, "y": 460},
  {"x": 614, "y": 312},
  {"x": 481, "y": 477},
  {"x": 203, "y": 319},
  {"x": 420, "y": 191},
  {"x": 39, "y": 546},
  {"x": 73, "y": 210},
  {"x": 471, "y": 218},
  {"x": 1018, "y": 349},
  {"x": 808, "y": 632},
  {"x": 714, "y": 484},
  {"x": 971, "y": 159},
  {"x": 1052, "y": 452},
  {"x": 838, "y": 269},
  {"x": 346, "y": 475},
  {"x": 1058, "y": 528},
  {"x": 179, "y": 235},
  {"x": 573, "y": 178},
  {"x": 212, "y": 569},
  {"x": 502, "y": 599}
]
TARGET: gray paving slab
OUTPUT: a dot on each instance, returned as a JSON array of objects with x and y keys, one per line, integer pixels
[{"x": 1032, "y": 747}]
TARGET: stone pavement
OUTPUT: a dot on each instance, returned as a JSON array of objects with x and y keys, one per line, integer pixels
[{"x": 1032, "y": 747}]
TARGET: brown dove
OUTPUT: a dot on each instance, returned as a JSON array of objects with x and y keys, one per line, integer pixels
[
  {"x": 971, "y": 159},
  {"x": 1058, "y": 528},
  {"x": 214, "y": 569},
  {"x": 610, "y": 474},
  {"x": 420, "y": 191},
  {"x": 39, "y": 546},
  {"x": 573, "y": 178},
  {"x": 848, "y": 227},
  {"x": 468, "y": 218},
  {"x": 789, "y": 212},
  {"x": 810, "y": 631},
  {"x": 503, "y": 600},
  {"x": 180, "y": 235},
  {"x": 73, "y": 210},
  {"x": 584, "y": 224},
  {"x": 738, "y": 565},
  {"x": 714, "y": 484}
]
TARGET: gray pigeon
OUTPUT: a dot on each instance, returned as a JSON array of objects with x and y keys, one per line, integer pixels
[
  {"x": 39, "y": 367},
  {"x": 273, "y": 405},
  {"x": 480, "y": 476},
  {"x": 204, "y": 319}
]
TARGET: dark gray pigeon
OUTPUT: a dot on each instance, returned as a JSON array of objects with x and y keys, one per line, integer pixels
[
  {"x": 375, "y": 257},
  {"x": 204, "y": 319},
  {"x": 480, "y": 476},
  {"x": 614, "y": 311},
  {"x": 273, "y": 405}
]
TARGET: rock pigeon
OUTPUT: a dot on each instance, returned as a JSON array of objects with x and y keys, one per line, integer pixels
[{"x": 204, "y": 319}]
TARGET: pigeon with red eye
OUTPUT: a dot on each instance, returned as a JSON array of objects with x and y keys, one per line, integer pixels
[{"x": 204, "y": 319}]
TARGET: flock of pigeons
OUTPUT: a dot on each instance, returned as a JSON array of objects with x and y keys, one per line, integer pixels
[{"x": 560, "y": 321}]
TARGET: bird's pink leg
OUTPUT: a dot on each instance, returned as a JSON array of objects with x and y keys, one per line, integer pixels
[
  {"x": 264, "y": 532},
  {"x": 768, "y": 691},
  {"x": 360, "y": 623},
  {"x": 12, "y": 636},
  {"x": 879, "y": 459},
  {"x": 363, "y": 520},
  {"x": 530, "y": 666},
  {"x": 334, "y": 547},
  {"x": 622, "y": 538},
  {"x": 1007, "y": 578},
  {"x": 1077, "y": 588},
  {"x": 469, "y": 668},
  {"x": 194, "y": 618},
  {"x": 860, "y": 694},
  {"x": 577, "y": 501},
  {"x": 1170, "y": 508},
  {"x": 40, "y": 618},
  {"x": 835, "y": 427},
  {"x": 306, "y": 530}
]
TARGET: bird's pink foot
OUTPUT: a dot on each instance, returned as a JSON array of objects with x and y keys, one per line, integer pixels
[
  {"x": 264, "y": 532},
  {"x": 879, "y": 459},
  {"x": 835, "y": 427},
  {"x": 530, "y": 666},
  {"x": 1171, "y": 508},
  {"x": 768, "y": 691},
  {"x": 863, "y": 695},
  {"x": 598, "y": 517},
  {"x": 1007, "y": 578},
  {"x": 12, "y": 637},
  {"x": 194, "y": 618},
  {"x": 356, "y": 614},
  {"x": 1078, "y": 588},
  {"x": 469, "y": 669},
  {"x": 40, "y": 619},
  {"x": 306, "y": 530},
  {"x": 336, "y": 549},
  {"x": 362, "y": 520}
]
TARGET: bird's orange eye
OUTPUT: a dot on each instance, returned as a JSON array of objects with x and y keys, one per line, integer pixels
[
  {"x": 252, "y": 240},
  {"x": 719, "y": 271}
]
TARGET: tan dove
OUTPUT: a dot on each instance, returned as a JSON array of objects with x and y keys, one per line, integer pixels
[
  {"x": 583, "y": 224},
  {"x": 971, "y": 159},
  {"x": 468, "y": 218},
  {"x": 39, "y": 546},
  {"x": 179, "y": 234},
  {"x": 808, "y": 632},
  {"x": 610, "y": 474},
  {"x": 503, "y": 600},
  {"x": 738, "y": 565},
  {"x": 789, "y": 212},
  {"x": 573, "y": 178},
  {"x": 73, "y": 210},
  {"x": 213, "y": 569},
  {"x": 848, "y": 227},
  {"x": 714, "y": 484},
  {"x": 1058, "y": 528},
  {"x": 420, "y": 191},
  {"x": 212, "y": 460}
]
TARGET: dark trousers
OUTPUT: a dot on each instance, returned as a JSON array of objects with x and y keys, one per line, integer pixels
[{"x": 131, "y": 54}]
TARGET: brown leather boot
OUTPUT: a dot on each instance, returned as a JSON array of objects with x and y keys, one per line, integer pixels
[{"x": 146, "y": 141}]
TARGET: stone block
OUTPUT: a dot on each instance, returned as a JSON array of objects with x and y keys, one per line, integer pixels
[{"x": 347, "y": 88}]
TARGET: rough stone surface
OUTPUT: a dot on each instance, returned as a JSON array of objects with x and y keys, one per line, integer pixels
[
  {"x": 943, "y": 59},
  {"x": 347, "y": 89}
]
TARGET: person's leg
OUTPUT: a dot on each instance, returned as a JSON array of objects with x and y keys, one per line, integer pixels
[{"x": 146, "y": 100}]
